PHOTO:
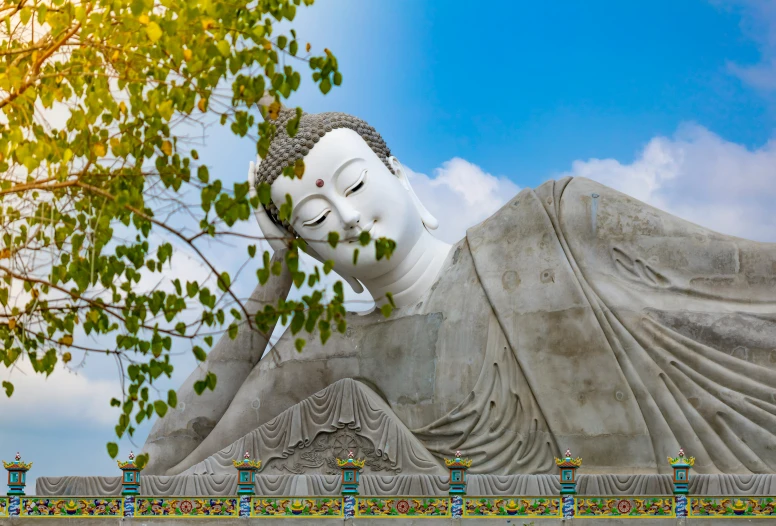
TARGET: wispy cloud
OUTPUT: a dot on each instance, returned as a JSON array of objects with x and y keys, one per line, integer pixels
[
  {"x": 759, "y": 23},
  {"x": 700, "y": 177},
  {"x": 460, "y": 195}
]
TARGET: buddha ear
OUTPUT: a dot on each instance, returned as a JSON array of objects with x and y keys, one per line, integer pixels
[
  {"x": 429, "y": 221},
  {"x": 271, "y": 232}
]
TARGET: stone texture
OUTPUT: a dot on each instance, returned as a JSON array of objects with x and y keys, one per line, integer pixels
[{"x": 574, "y": 317}]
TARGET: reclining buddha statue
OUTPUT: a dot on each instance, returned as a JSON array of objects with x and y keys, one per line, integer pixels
[{"x": 574, "y": 317}]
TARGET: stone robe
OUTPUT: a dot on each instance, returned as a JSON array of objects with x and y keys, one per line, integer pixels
[{"x": 574, "y": 317}]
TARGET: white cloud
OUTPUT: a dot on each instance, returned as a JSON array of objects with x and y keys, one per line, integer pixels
[
  {"x": 460, "y": 195},
  {"x": 759, "y": 23},
  {"x": 60, "y": 400},
  {"x": 700, "y": 177}
]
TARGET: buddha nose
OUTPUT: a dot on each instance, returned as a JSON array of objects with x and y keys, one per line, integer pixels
[{"x": 350, "y": 216}]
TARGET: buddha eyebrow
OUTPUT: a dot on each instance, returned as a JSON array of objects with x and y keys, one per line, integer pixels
[{"x": 344, "y": 165}]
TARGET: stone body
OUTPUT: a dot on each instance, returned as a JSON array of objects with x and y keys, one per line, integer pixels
[{"x": 574, "y": 317}]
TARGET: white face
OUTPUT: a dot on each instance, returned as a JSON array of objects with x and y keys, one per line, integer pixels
[{"x": 359, "y": 194}]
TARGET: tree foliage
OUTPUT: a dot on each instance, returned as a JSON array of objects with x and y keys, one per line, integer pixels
[{"x": 102, "y": 185}]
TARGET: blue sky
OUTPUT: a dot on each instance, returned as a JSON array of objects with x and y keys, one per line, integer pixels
[{"x": 671, "y": 102}]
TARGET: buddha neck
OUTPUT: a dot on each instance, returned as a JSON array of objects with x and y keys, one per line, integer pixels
[{"x": 411, "y": 278}]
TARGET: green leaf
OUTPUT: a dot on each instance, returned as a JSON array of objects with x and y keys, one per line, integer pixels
[
  {"x": 232, "y": 331},
  {"x": 265, "y": 194},
  {"x": 113, "y": 449},
  {"x": 364, "y": 238},
  {"x": 199, "y": 353},
  {"x": 8, "y": 386},
  {"x": 355, "y": 256},
  {"x": 200, "y": 386},
  {"x": 172, "y": 398},
  {"x": 328, "y": 265},
  {"x": 203, "y": 174},
  {"x": 160, "y": 408},
  {"x": 299, "y": 344},
  {"x": 252, "y": 250},
  {"x": 333, "y": 239},
  {"x": 141, "y": 460},
  {"x": 297, "y": 322},
  {"x": 386, "y": 309},
  {"x": 389, "y": 296},
  {"x": 325, "y": 85},
  {"x": 224, "y": 282},
  {"x": 224, "y": 48}
]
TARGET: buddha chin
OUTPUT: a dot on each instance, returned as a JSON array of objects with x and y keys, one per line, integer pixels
[{"x": 575, "y": 317}]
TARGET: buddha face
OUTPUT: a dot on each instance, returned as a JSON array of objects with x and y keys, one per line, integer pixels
[{"x": 347, "y": 189}]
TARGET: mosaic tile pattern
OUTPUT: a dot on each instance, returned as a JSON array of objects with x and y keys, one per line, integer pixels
[
  {"x": 732, "y": 507},
  {"x": 187, "y": 507},
  {"x": 71, "y": 507},
  {"x": 3, "y": 507},
  {"x": 602, "y": 507},
  {"x": 511, "y": 507},
  {"x": 296, "y": 507},
  {"x": 403, "y": 507}
]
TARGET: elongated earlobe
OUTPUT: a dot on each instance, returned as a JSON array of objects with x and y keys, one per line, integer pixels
[
  {"x": 429, "y": 221},
  {"x": 273, "y": 234}
]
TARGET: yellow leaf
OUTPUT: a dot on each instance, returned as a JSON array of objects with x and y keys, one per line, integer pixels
[
  {"x": 207, "y": 23},
  {"x": 122, "y": 107},
  {"x": 99, "y": 149},
  {"x": 34, "y": 293},
  {"x": 143, "y": 19},
  {"x": 67, "y": 155},
  {"x": 67, "y": 357},
  {"x": 167, "y": 148},
  {"x": 94, "y": 316},
  {"x": 12, "y": 323},
  {"x": 5, "y": 253},
  {"x": 308, "y": 47},
  {"x": 202, "y": 105},
  {"x": 274, "y": 110},
  {"x": 267, "y": 45},
  {"x": 115, "y": 56},
  {"x": 114, "y": 142},
  {"x": 328, "y": 53},
  {"x": 242, "y": 90},
  {"x": 187, "y": 54},
  {"x": 67, "y": 340},
  {"x": 153, "y": 31},
  {"x": 299, "y": 168}
]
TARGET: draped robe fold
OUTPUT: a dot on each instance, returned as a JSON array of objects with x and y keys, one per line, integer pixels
[
  {"x": 596, "y": 322},
  {"x": 636, "y": 332}
]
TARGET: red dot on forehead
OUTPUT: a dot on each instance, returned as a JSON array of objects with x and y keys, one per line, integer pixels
[{"x": 319, "y": 183}]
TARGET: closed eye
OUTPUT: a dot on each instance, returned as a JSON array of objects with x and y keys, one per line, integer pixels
[
  {"x": 318, "y": 220},
  {"x": 358, "y": 185}
]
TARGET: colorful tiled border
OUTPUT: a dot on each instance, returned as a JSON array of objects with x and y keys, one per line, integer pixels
[
  {"x": 392, "y": 507},
  {"x": 302, "y": 507},
  {"x": 3, "y": 506},
  {"x": 187, "y": 507},
  {"x": 82, "y": 507},
  {"x": 624, "y": 507},
  {"x": 751, "y": 507},
  {"x": 497, "y": 507}
]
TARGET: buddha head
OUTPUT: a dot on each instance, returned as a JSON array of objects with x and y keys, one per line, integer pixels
[{"x": 351, "y": 184}]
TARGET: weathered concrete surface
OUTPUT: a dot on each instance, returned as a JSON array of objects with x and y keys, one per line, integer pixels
[
  {"x": 574, "y": 317},
  {"x": 172, "y": 438}
]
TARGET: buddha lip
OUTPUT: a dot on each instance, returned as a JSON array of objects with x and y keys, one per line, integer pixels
[{"x": 367, "y": 229}]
